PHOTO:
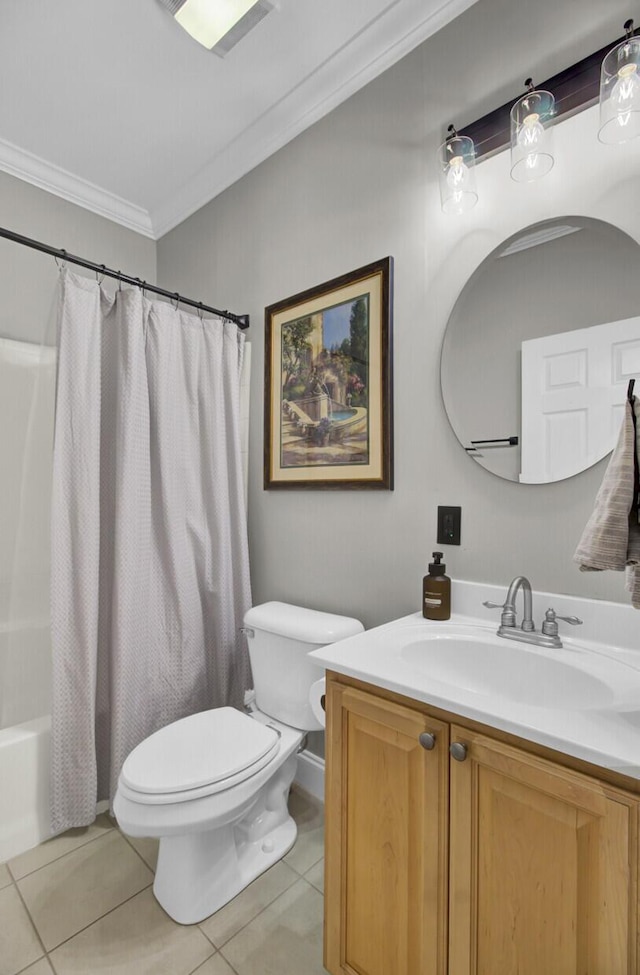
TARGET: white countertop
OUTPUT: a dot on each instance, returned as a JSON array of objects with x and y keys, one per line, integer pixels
[{"x": 608, "y": 737}]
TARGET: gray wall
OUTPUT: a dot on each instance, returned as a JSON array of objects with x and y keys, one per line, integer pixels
[
  {"x": 28, "y": 278},
  {"x": 356, "y": 187}
]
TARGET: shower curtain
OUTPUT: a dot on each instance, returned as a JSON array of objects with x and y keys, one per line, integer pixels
[{"x": 150, "y": 569}]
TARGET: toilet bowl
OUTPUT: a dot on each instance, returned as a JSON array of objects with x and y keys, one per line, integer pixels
[{"x": 213, "y": 787}]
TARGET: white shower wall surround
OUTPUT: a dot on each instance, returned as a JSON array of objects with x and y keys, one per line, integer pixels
[
  {"x": 25, "y": 703},
  {"x": 27, "y": 382}
]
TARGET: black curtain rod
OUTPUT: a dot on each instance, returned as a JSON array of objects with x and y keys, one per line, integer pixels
[{"x": 242, "y": 321}]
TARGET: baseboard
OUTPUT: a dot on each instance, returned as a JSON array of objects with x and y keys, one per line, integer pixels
[{"x": 310, "y": 774}]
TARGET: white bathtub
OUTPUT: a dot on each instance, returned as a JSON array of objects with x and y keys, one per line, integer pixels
[{"x": 25, "y": 735}]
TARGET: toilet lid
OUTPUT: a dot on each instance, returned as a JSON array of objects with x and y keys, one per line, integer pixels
[{"x": 198, "y": 751}]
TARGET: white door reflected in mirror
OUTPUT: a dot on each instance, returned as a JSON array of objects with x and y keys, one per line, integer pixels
[
  {"x": 573, "y": 394},
  {"x": 539, "y": 349}
]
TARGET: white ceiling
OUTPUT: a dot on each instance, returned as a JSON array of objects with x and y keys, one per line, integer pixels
[{"x": 114, "y": 107}]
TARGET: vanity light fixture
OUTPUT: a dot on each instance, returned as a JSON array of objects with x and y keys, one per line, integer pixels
[
  {"x": 218, "y": 24},
  {"x": 527, "y": 125},
  {"x": 457, "y": 160},
  {"x": 531, "y": 134},
  {"x": 620, "y": 90}
]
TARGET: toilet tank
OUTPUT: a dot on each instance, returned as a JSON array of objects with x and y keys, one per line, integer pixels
[{"x": 280, "y": 638}]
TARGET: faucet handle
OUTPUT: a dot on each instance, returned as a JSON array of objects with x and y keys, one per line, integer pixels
[
  {"x": 550, "y": 625},
  {"x": 508, "y": 617}
]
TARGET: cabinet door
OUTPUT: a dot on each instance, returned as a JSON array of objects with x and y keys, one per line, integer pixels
[
  {"x": 386, "y": 838},
  {"x": 543, "y": 867}
]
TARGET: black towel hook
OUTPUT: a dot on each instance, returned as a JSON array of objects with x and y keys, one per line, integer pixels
[{"x": 630, "y": 387}]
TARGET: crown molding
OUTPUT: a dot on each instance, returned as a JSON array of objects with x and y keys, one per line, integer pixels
[
  {"x": 46, "y": 176},
  {"x": 400, "y": 28},
  {"x": 386, "y": 40}
]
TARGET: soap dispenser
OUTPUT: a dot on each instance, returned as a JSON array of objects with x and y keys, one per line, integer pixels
[{"x": 436, "y": 591}]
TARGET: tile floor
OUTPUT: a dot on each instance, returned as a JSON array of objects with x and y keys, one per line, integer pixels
[{"x": 81, "y": 904}]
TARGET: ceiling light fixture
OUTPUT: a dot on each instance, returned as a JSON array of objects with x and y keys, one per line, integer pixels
[
  {"x": 457, "y": 160},
  {"x": 218, "y": 24},
  {"x": 531, "y": 119},
  {"x": 620, "y": 90}
]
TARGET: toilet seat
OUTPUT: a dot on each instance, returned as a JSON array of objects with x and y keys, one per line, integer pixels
[{"x": 197, "y": 756}]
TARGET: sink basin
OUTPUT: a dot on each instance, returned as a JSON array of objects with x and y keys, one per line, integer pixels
[
  {"x": 522, "y": 674},
  {"x": 582, "y": 699},
  {"x": 466, "y": 664}
]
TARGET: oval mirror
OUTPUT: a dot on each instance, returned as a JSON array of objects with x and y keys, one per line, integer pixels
[{"x": 540, "y": 347}]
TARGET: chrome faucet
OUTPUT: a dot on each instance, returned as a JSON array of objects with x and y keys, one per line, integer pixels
[{"x": 526, "y": 632}]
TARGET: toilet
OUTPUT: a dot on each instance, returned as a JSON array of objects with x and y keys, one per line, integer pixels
[{"x": 213, "y": 787}]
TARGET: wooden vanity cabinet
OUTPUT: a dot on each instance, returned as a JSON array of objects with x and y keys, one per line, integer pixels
[
  {"x": 502, "y": 863},
  {"x": 386, "y": 837}
]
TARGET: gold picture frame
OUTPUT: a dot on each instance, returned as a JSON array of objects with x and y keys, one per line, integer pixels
[{"x": 328, "y": 384}]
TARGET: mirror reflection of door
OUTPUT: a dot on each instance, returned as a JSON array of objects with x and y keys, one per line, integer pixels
[
  {"x": 574, "y": 387},
  {"x": 559, "y": 277}
]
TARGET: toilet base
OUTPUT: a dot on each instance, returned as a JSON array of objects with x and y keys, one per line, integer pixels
[{"x": 198, "y": 873}]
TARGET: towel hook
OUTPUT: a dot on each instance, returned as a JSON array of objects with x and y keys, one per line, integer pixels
[{"x": 630, "y": 387}]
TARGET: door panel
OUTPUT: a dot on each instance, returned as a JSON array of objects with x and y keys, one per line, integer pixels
[
  {"x": 386, "y": 838},
  {"x": 573, "y": 386},
  {"x": 543, "y": 861}
]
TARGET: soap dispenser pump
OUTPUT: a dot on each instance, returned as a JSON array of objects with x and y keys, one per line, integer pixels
[{"x": 436, "y": 591}]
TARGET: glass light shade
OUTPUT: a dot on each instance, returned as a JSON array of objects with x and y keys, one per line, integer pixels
[
  {"x": 620, "y": 93},
  {"x": 457, "y": 161},
  {"x": 208, "y": 22},
  {"x": 532, "y": 136}
]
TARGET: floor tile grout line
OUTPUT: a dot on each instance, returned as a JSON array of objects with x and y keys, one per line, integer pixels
[
  {"x": 216, "y": 952},
  {"x": 251, "y": 919},
  {"x": 266, "y": 907},
  {"x": 260, "y": 912},
  {"x": 33, "y": 923},
  {"x": 55, "y": 859},
  {"x": 223, "y": 956},
  {"x": 128, "y": 840},
  {"x": 263, "y": 908},
  {"x": 95, "y": 920},
  {"x": 206, "y": 935},
  {"x": 26, "y": 969}
]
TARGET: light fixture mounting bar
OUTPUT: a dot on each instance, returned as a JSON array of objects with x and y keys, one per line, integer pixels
[{"x": 575, "y": 89}]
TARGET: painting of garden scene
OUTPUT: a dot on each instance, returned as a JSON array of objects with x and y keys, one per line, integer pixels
[{"x": 325, "y": 387}]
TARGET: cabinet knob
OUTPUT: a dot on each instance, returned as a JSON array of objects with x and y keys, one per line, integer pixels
[
  {"x": 458, "y": 751},
  {"x": 427, "y": 740}
]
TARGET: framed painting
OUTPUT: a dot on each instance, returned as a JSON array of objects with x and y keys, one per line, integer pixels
[{"x": 328, "y": 384}]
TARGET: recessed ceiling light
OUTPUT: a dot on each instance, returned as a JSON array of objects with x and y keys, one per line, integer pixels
[{"x": 218, "y": 24}]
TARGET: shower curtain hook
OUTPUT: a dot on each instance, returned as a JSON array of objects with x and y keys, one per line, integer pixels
[
  {"x": 177, "y": 298},
  {"x": 200, "y": 315},
  {"x": 104, "y": 271},
  {"x": 119, "y": 281},
  {"x": 64, "y": 259}
]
